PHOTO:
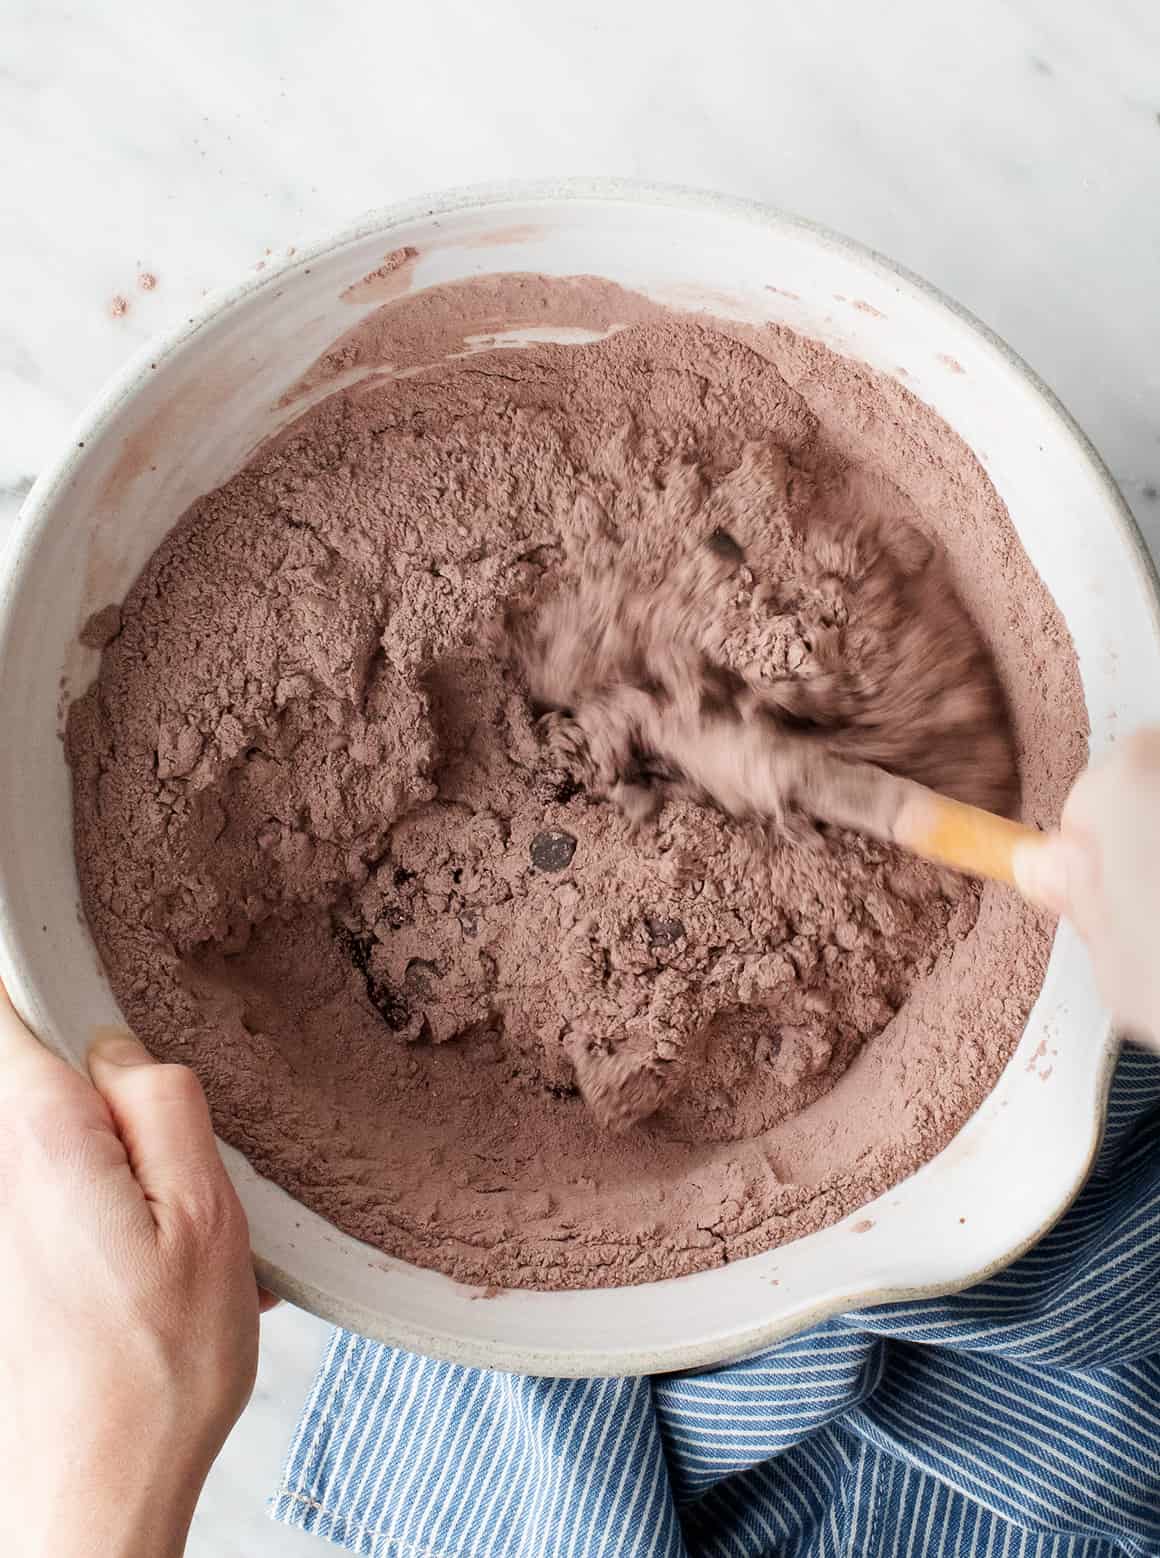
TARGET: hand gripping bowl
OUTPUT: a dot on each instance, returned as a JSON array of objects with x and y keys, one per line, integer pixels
[{"x": 185, "y": 415}]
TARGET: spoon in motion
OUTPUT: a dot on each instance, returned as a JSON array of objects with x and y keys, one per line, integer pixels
[
  {"x": 634, "y": 708},
  {"x": 748, "y": 767}
]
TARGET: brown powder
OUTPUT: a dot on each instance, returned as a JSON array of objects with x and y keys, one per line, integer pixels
[
  {"x": 746, "y": 678},
  {"x": 391, "y": 279},
  {"x": 330, "y": 860},
  {"x": 101, "y": 627}
]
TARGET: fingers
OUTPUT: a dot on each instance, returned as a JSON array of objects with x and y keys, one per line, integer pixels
[
  {"x": 266, "y": 1301},
  {"x": 1113, "y": 800},
  {"x": 1126, "y": 779},
  {"x": 17, "y": 1044},
  {"x": 1142, "y": 750},
  {"x": 1087, "y": 804},
  {"x": 45, "y": 1096},
  {"x": 1041, "y": 874},
  {"x": 1058, "y": 874},
  {"x": 161, "y": 1115}
]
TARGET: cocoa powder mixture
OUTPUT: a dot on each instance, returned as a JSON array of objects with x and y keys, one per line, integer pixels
[{"x": 342, "y": 850}]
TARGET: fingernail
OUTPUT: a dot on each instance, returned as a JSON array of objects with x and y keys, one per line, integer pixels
[{"x": 119, "y": 1049}]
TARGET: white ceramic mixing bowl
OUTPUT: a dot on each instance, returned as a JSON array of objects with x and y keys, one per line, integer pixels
[{"x": 184, "y": 416}]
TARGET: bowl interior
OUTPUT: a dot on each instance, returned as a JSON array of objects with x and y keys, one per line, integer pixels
[{"x": 183, "y": 419}]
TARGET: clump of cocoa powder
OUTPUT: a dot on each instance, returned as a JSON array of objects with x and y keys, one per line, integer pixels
[{"x": 329, "y": 860}]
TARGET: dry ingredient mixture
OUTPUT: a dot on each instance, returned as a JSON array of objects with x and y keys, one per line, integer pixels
[{"x": 476, "y": 1008}]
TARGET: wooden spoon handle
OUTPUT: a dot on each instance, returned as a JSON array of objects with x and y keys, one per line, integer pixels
[
  {"x": 899, "y": 811},
  {"x": 753, "y": 768},
  {"x": 960, "y": 836}
]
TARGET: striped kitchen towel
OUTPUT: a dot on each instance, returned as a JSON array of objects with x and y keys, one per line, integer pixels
[{"x": 1020, "y": 1419}]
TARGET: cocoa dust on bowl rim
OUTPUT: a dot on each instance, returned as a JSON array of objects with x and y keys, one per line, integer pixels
[{"x": 183, "y": 419}]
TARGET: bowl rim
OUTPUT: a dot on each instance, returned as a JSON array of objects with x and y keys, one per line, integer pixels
[{"x": 124, "y": 384}]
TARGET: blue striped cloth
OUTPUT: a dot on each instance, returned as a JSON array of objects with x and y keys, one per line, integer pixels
[{"x": 1020, "y": 1420}]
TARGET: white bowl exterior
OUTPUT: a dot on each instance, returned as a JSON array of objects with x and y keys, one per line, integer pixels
[{"x": 181, "y": 420}]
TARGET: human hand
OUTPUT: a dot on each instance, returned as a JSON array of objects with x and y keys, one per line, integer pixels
[
  {"x": 1102, "y": 870},
  {"x": 128, "y": 1305}
]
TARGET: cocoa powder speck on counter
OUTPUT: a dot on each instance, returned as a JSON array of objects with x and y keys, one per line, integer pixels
[{"x": 329, "y": 860}]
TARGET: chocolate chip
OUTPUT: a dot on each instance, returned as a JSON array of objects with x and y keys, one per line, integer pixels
[
  {"x": 664, "y": 933},
  {"x": 724, "y": 545},
  {"x": 389, "y": 1004},
  {"x": 357, "y": 948},
  {"x": 469, "y": 922},
  {"x": 554, "y": 787},
  {"x": 552, "y": 850},
  {"x": 562, "y": 1089},
  {"x": 418, "y": 975}
]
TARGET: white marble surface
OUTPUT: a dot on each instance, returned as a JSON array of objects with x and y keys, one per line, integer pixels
[{"x": 1009, "y": 150}]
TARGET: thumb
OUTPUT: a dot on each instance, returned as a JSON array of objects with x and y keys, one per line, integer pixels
[
  {"x": 161, "y": 1117},
  {"x": 18, "y": 1046},
  {"x": 1048, "y": 872}
]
